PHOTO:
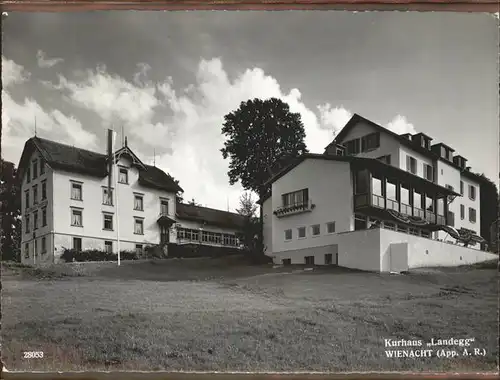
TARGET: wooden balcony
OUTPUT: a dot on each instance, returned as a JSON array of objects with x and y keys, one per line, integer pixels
[
  {"x": 362, "y": 201},
  {"x": 294, "y": 209}
]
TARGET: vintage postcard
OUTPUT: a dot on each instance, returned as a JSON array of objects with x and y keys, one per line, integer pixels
[{"x": 250, "y": 191}]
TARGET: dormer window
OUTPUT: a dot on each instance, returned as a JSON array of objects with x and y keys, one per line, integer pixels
[{"x": 340, "y": 152}]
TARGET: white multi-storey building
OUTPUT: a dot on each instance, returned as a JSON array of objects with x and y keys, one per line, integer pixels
[
  {"x": 69, "y": 202},
  {"x": 320, "y": 206},
  {"x": 415, "y": 154}
]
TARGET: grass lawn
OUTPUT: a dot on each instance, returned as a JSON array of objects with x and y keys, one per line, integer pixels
[{"x": 220, "y": 315}]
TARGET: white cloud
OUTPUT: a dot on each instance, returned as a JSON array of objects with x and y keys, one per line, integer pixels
[
  {"x": 45, "y": 62},
  {"x": 111, "y": 97},
  {"x": 18, "y": 119},
  {"x": 400, "y": 125},
  {"x": 334, "y": 118},
  {"x": 12, "y": 73}
]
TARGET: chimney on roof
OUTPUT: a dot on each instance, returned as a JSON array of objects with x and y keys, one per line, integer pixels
[
  {"x": 125, "y": 140},
  {"x": 467, "y": 168}
]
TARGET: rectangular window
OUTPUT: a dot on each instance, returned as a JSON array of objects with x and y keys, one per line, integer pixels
[
  {"x": 139, "y": 249},
  {"x": 287, "y": 261},
  {"x": 76, "y": 191},
  {"x": 76, "y": 217},
  {"x": 44, "y": 245},
  {"x": 462, "y": 212},
  {"x": 108, "y": 246},
  {"x": 138, "y": 226},
  {"x": 42, "y": 166},
  {"x": 27, "y": 198},
  {"x": 139, "y": 203},
  {"x": 108, "y": 222},
  {"x": 44, "y": 216},
  {"x": 370, "y": 142},
  {"x": 28, "y": 174},
  {"x": 426, "y": 234},
  {"x": 35, "y": 169},
  {"x": 451, "y": 218},
  {"x": 35, "y": 194},
  {"x": 44, "y": 190},
  {"x": 428, "y": 172},
  {"x": 411, "y": 165},
  {"x": 353, "y": 146},
  {"x": 123, "y": 176},
  {"x": 35, "y": 220},
  {"x": 27, "y": 223},
  {"x": 328, "y": 259},
  {"x": 330, "y": 227},
  {"x": 288, "y": 234},
  {"x": 472, "y": 215},
  {"x": 296, "y": 198},
  {"x": 309, "y": 260},
  {"x": 315, "y": 230},
  {"x": 472, "y": 192},
  {"x": 107, "y": 196},
  {"x": 386, "y": 159},
  {"x": 36, "y": 247},
  {"x": 77, "y": 244},
  {"x": 164, "y": 207},
  {"x": 26, "y": 250},
  {"x": 301, "y": 232},
  {"x": 461, "y": 187}
]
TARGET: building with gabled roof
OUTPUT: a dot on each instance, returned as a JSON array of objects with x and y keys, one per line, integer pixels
[
  {"x": 374, "y": 200},
  {"x": 70, "y": 201}
]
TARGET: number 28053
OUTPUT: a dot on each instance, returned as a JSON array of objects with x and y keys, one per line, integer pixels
[{"x": 33, "y": 354}]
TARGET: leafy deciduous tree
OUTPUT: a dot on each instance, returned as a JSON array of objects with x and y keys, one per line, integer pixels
[
  {"x": 10, "y": 211},
  {"x": 260, "y": 134},
  {"x": 250, "y": 234}
]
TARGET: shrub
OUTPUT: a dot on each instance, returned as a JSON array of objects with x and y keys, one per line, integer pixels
[
  {"x": 153, "y": 252},
  {"x": 70, "y": 255}
]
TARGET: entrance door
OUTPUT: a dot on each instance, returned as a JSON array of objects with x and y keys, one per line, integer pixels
[{"x": 164, "y": 235}]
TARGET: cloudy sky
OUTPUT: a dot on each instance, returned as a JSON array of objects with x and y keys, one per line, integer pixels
[{"x": 168, "y": 78}]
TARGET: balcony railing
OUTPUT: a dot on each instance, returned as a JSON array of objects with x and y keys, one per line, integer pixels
[
  {"x": 430, "y": 216},
  {"x": 392, "y": 205},
  {"x": 405, "y": 209},
  {"x": 418, "y": 212},
  {"x": 441, "y": 220},
  {"x": 362, "y": 200},
  {"x": 293, "y": 209}
]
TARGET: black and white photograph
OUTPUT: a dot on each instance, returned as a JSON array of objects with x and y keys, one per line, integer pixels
[{"x": 250, "y": 191}]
